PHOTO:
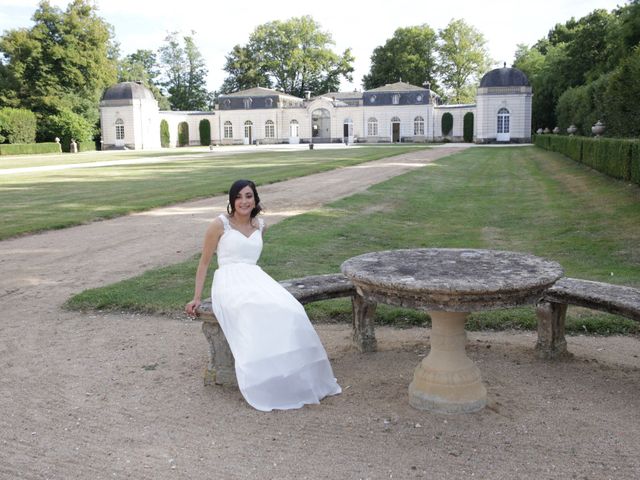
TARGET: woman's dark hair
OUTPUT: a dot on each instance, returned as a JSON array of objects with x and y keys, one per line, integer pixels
[{"x": 235, "y": 190}]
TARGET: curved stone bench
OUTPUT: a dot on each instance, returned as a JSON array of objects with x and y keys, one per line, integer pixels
[
  {"x": 220, "y": 369},
  {"x": 551, "y": 310}
]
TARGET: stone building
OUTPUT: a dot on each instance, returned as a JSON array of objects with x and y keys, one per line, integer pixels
[{"x": 397, "y": 112}]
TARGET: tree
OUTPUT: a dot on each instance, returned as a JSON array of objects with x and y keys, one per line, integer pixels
[
  {"x": 292, "y": 55},
  {"x": 184, "y": 73},
  {"x": 142, "y": 66},
  {"x": 65, "y": 61},
  {"x": 408, "y": 56},
  {"x": 463, "y": 59},
  {"x": 244, "y": 71}
]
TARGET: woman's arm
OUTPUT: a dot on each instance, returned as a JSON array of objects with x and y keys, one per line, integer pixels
[{"x": 211, "y": 238}]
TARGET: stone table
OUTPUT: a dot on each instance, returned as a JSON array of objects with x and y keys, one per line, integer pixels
[{"x": 448, "y": 284}]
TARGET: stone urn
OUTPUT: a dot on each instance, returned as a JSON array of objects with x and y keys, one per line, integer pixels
[
  {"x": 539, "y": 131},
  {"x": 546, "y": 130},
  {"x": 598, "y": 128},
  {"x": 556, "y": 130},
  {"x": 572, "y": 129}
]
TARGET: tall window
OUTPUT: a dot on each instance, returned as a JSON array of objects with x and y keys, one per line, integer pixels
[
  {"x": 228, "y": 129},
  {"x": 119, "y": 129},
  {"x": 247, "y": 129},
  {"x": 269, "y": 129},
  {"x": 372, "y": 127},
  {"x": 395, "y": 99},
  {"x": 503, "y": 120},
  {"x": 418, "y": 126},
  {"x": 248, "y": 102}
]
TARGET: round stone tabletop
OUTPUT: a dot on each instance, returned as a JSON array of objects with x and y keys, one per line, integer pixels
[{"x": 449, "y": 279}]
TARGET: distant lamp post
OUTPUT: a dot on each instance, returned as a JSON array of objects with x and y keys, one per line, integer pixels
[
  {"x": 572, "y": 129},
  {"x": 556, "y": 130},
  {"x": 598, "y": 128}
]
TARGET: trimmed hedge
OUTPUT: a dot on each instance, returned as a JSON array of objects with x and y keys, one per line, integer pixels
[
  {"x": 30, "y": 148},
  {"x": 86, "y": 146},
  {"x": 183, "y": 134},
  {"x": 618, "y": 158}
]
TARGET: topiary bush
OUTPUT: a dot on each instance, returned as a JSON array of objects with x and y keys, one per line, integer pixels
[
  {"x": 183, "y": 134},
  {"x": 467, "y": 127},
  {"x": 205, "y": 132},
  {"x": 447, "y": 124},
  {"x": 165, "y": 139}
]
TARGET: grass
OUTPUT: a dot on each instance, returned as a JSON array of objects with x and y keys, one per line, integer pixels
[
  {"x": 47, "y": 200},
  {"x": 523, "y": 199}
]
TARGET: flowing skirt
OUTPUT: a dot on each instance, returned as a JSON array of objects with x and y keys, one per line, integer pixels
[{"x": 279, "y": 360}]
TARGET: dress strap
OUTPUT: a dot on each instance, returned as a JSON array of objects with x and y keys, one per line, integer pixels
[{"x": 225, "y": 221}]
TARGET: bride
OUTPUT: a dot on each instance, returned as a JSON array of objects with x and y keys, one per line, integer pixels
[{"x": 279, "y": 360}]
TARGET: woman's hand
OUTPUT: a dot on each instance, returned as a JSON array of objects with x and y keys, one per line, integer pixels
[{"x": 191, "y": 308}]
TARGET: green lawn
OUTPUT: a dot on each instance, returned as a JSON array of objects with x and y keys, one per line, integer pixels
[
  {"x": 55, "y": 199},
  {"x": 523, "y": 199}
]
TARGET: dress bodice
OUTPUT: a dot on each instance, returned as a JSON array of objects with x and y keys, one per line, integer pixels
[{"x": 235, "y": 247}]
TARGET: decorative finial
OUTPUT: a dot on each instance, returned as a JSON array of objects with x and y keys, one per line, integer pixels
[{"x": 505, "y": 65}]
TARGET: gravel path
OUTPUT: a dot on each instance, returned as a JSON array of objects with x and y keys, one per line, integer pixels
[{"x": 102, "y": 396}]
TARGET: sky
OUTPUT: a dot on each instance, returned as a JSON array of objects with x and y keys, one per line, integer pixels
[{"x": 361, "y": 26}]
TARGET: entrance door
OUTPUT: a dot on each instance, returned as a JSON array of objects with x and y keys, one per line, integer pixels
[
  {"x": 395, "y": 132},
  {"x": 347, "y": 131},
  {"x": 248, "y": 132},
  {"x": 503, "y": 134}
]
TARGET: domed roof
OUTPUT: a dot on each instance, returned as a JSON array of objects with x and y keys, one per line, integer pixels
[
  {"x": 128, "y": 91},
  {"x": 504, "y": 77}
]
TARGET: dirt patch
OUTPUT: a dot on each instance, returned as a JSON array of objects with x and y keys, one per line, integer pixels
[{"x": 122, "y": 396}]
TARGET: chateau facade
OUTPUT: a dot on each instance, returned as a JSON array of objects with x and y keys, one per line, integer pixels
[{"x": 393, "y": 113}]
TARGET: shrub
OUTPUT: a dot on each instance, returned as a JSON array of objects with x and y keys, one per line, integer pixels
[
  {"x": 183, "y": 134},
  {"x": 68, "y": 125},
  {"x": 467, "y": 127},
  {"x": 447, "y": 124},
  {"x": 205, "y": 132},
  {"x": 17, "y": 125},
  {"x": 164, "y": 134},
  {"x": 30, "y": 148}
]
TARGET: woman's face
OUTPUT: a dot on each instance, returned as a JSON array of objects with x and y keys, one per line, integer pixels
[{"x": 245, "y": 201}]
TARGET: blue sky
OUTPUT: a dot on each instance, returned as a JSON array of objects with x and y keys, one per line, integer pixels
[{"x": 362, "y": 26}]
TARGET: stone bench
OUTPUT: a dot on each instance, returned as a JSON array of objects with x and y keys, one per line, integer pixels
[
  {"x": 220, "y": 369},
  {"x": 552, "y": 308}
]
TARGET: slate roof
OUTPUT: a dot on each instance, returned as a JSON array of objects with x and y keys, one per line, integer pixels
[
  {"x": 259, "y": 92},
  {"x": 504, "y": 77},
  {"x": 127, "y": 91},
  {"x": 397, "y": 87}
]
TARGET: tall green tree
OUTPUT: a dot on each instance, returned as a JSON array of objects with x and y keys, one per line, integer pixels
[
  {"x": 463, "y": 59},
  {"x": 293, "y": 56},
  {"x": 65, "y": 61},
  {"x": 142, "y": 66},
  {"x": 184, "y": 73},
  {"x": 410, "y": 56}
]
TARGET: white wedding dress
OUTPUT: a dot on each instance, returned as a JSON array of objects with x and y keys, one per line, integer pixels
[{"x": 279, "y": 360}]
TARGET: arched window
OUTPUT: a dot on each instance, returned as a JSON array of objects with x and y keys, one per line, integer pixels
[
  {"x": 247, "y": 129},
  {"x": 119, "y": 129},
  {"x": 228, "y": 129},
  {"x": 395, "y": 99},
  {"x": 418, "y": 126},
  {"x": 503, "y": 120},
  {"x": 372, "y": 127},
  {"x": 248, "y": 102},
  {"x": 269, "y": 129}
]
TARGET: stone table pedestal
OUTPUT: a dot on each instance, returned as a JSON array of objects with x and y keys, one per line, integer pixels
[{"x": 448, "y": 284}]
